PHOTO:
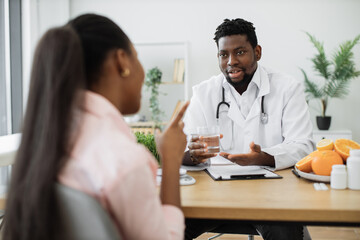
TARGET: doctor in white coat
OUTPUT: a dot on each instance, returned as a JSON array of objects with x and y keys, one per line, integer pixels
[
  {"x": 256, "y": 108},
  {"x": 262, "y": 114}
]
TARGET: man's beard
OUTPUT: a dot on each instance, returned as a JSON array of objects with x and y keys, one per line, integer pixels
[{"x": 246, "y": 80}]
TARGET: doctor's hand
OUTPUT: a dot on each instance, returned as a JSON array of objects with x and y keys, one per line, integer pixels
[
  {"x": 254, "y": 157},
  {"x": 198, "y": 150}
]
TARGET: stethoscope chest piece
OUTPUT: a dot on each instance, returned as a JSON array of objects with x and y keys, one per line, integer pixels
[{"x": 264, "y": 118}]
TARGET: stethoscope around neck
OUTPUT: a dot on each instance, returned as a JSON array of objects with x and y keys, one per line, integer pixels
[
  {"x": 263, "y": 119},
  {"x": 263, "y": 116}
]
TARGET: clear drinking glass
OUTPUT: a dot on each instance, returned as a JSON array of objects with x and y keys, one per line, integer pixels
[{"x": 211, "y": 136}]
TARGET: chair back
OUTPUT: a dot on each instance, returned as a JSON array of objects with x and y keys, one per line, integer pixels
[{"x": 82, "y": 216}]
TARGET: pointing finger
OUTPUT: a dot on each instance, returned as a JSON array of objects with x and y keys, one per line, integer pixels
[{"x": 180, "y": 114}]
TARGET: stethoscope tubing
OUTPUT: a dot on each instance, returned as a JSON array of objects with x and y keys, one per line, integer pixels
[
  {"x": 220, "y": 103},
  {"x": 263, "y": 116}
]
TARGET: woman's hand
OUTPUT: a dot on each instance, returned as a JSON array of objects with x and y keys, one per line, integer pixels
[
  {"x": 171, "y": 145},
  {"x": 172, "y": 142}
]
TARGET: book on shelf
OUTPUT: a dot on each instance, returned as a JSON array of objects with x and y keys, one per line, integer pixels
[{"x": 179, "y": 70}]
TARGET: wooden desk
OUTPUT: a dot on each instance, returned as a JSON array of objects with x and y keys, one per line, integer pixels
[{"x": 290, "y": 199}]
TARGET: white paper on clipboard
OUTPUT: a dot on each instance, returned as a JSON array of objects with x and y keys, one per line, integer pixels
[
  {"x": 222, "y": 169},
  {"x": 219, "y": 160}
]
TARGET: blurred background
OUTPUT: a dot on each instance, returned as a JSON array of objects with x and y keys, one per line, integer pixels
[{"x": 166, "y": 30}]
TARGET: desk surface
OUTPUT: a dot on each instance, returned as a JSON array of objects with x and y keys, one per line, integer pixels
[{"x": 287, "y": 199}]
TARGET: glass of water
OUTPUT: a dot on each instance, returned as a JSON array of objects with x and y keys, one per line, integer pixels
[{"x": 211, "y": 136}]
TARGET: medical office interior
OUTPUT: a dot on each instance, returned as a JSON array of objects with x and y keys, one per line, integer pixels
[{"x": 164, "y": 31}]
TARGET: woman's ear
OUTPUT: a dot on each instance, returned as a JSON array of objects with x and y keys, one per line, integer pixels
[
  {"x": 123, "y": 63},
  {"x": 258, "y": 52}
]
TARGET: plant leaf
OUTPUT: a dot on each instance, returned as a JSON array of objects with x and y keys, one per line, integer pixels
[
  {"x": 321, "y": 64},
  {"x": 153, "y": 80},
  {"x": 337, "y": 89},
  {"x": 311, "y": 88},
  {"x": 343, "y": 60},
  {"x": 148, "y": 140}
]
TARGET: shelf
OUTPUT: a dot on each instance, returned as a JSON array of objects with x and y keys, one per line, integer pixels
[
  {"x": 333, "y": 135},
  {"x": 145, "y": 124},
  {"x": 172, "y": 83},
  {"x": 144, "y": 127},
  {"x": 172, "y": 60}
]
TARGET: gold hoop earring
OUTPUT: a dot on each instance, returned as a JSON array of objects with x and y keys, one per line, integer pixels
[{"x": 125, "y": 73}]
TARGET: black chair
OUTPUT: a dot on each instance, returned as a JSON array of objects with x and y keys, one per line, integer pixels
[{"x": 82, "y": 217}]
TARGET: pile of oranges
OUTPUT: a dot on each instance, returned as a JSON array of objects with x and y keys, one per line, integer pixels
[{"x": 327, "y": 154}]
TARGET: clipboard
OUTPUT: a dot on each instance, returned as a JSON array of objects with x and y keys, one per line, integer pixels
[{"x": 237, "y": 172}]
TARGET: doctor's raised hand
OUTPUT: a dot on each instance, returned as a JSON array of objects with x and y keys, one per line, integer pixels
[{"x": 254, "y": 157}]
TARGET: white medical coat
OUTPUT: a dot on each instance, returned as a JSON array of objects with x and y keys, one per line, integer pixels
[{"x": 288, "y": 133}]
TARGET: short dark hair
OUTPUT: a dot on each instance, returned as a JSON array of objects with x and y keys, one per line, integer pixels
[{"x": 234, "y": 27}]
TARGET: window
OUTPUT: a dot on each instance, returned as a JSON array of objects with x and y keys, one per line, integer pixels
[
  {"x": 3, "y": 100},
  {"x": 10, "y": 67}
]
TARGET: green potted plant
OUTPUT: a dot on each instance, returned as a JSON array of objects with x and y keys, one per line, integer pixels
[
  {"x": 152, "y": 81},
  {"x": 336, "y": 74},
  {"x": 148, "y": 140}
]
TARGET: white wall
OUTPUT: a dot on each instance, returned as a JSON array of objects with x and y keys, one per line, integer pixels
[
  {"x": 279, "y": 25},
  {"x": 37, "y": 17}
]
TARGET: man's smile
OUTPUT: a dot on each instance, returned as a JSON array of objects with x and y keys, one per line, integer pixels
[{"x": 235, "y": 73}]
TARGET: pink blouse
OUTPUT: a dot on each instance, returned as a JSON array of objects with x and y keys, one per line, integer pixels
[{"x": 108, "y": 164}]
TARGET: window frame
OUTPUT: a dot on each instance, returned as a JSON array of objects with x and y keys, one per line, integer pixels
[
  {"x": 16, "y": 69},
  {"x": 4, "y": 56},
  {"x": 11, "y": 83}
]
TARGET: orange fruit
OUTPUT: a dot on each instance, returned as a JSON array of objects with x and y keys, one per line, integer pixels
[
  {"x": 304, "y": 164},
  {"x": 323, "y": 162},
  {"x": 325, "y": 144},
  {"x": 343, "y": 147}
]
